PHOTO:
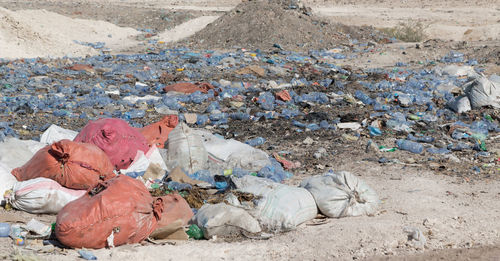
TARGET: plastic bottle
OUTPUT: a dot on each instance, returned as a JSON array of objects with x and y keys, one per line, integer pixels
[
  {"x": 4, "y": 229},
  {"x": 87, "y": 255},
  {"x": 256, "y": 141},
  {"x": 374, "y": 131},
  {"x": 194, "y": 232},
  {"x": 410, "y": 146}
]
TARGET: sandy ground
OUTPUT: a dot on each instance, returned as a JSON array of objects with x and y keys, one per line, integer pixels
[
  {"x": 454, "y": 214},
  {"x": 451, "y": 213}
]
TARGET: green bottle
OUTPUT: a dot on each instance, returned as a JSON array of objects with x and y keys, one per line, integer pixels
[{"x": 195, "y": 232}]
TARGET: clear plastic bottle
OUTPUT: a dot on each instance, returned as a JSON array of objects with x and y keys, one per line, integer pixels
[
  {"x": 410, "y": 146},
  {"x": 4, "y": 229}
]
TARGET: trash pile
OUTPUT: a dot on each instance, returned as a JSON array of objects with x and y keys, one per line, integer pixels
[
  {"x": 179, "y": 144},
  {"x": 110, "y": 185}
]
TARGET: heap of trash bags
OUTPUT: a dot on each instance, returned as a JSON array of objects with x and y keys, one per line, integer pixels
[{"x": 101, "y": 182}]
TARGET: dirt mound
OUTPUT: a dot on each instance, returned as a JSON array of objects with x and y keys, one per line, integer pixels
[{"x": 261, "y": 24}]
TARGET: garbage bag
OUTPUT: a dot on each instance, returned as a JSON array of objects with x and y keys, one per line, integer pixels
[
  {"x": 186, "y": 150},
  {"x": 142, "y": 162},
  {"x": 116, "y": 138},
  {"x": 72, "y": 164},
  {"x": 233, "y": 154},
  {"x": 14, "y": 153},
  {"x": 115, "y": 212},
  {"x": 483, "y": 92},
  {"x": 41, "y": 196},
  {"x": 459, "y": 104},
  {"x": 186, "y": 87},
  {"x": 55, "y": 133},
  {"x": 157, "y": 133},
  {"x": 459, "y": 70},
  {"x": 175, "y": 207},
  {"x": 342, "y": 195},
  {"x": 280, "y": 207},
  {"x": 224, "y": 220},
  {"x": 7, "y": 180}
]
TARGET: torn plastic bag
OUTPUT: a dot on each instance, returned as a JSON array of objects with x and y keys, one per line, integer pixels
[
  {"x": 55, "y": 133},
  {"x": 116, "y": 138},
  {"x": 157, "y": 133},
  {"x": 224, "y": 220},
  {"x": 41, "y": 196},
  {"x": 280, "y": 207},
  {"x": 460, "y": 104},
  {"x": 142, "y": 161},
  {"x": 72, "y": 164},
  {"x": 342, "y": 195},
  {"x": 115, "y": 212},
  {"x": 186, "y": 150},
  {"x": 459, "y": 70},
  {"x": 483, "y": 92}
]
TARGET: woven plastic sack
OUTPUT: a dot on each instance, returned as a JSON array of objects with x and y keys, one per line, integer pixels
[
  {"x": 342, "y": 195},
  {"x": 157, "y": 133},
  {"x": 186, "y": 150},
  {"x": 115, "y": 212},
  {"x": 279, "y": 207},
  {"x": 41, "y": 196},
  {"x": 72, "y": 164},
  {"x": 116, "y": 138},
  {"x": 174, "y": 207}
]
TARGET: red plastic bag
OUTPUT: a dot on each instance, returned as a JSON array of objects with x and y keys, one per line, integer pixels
[
  {"x": 186, "y": 87},
  {"x": 157, "y": 133},
  {"x": 72, "y": 164},
  {"x": 175, "y": 207},
  {"x": 283, "y": 95},
  {"x": 116, "y": 138},
  {"x": 121, "y": 207}
]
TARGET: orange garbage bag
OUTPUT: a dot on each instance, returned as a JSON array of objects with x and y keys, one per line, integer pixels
[
  {"x": 157, "y": 133},
  {"x": 115, "y": 212},
  {"x": 186, "y": 87},
  {"x": 72, "y": 164},
  {"x": 175, "y": 207}
]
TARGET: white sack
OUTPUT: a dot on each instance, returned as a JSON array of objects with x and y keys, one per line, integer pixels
[
  {"x": 342, "y": 195},
  {"x": 186, "y": 150},
  {"x": 483, "y": 92},
  {"x": 280, "y": 207},
  {"x": 41, "y": 195},
  {"x": 224, "y": 220}
]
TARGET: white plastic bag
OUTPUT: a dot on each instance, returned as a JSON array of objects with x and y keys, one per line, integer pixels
[
  {"x": 224, "y": 220},
  {"x": 460, "y": 104},
  {"x": 342, "y": 195},
  {"x": 55, "y": 133},
  {"x": 483, "y": 92},
  {"x": 41, "y": 195},
  {"x": 14, "y": 153},
  {"x": 186, "y": 150},
  {"x": 142, "y": 161},
  {"x": 232, "y": 153},
  {"x": 456, "y": 70},
  {"x": 280, "y": 207}
]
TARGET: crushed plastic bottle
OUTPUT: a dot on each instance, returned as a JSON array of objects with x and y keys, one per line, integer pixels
[
  {"x": 256, "y": 141},
  {"x": 195, "y": 232},
  {"x": 411, "y": 146}
]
